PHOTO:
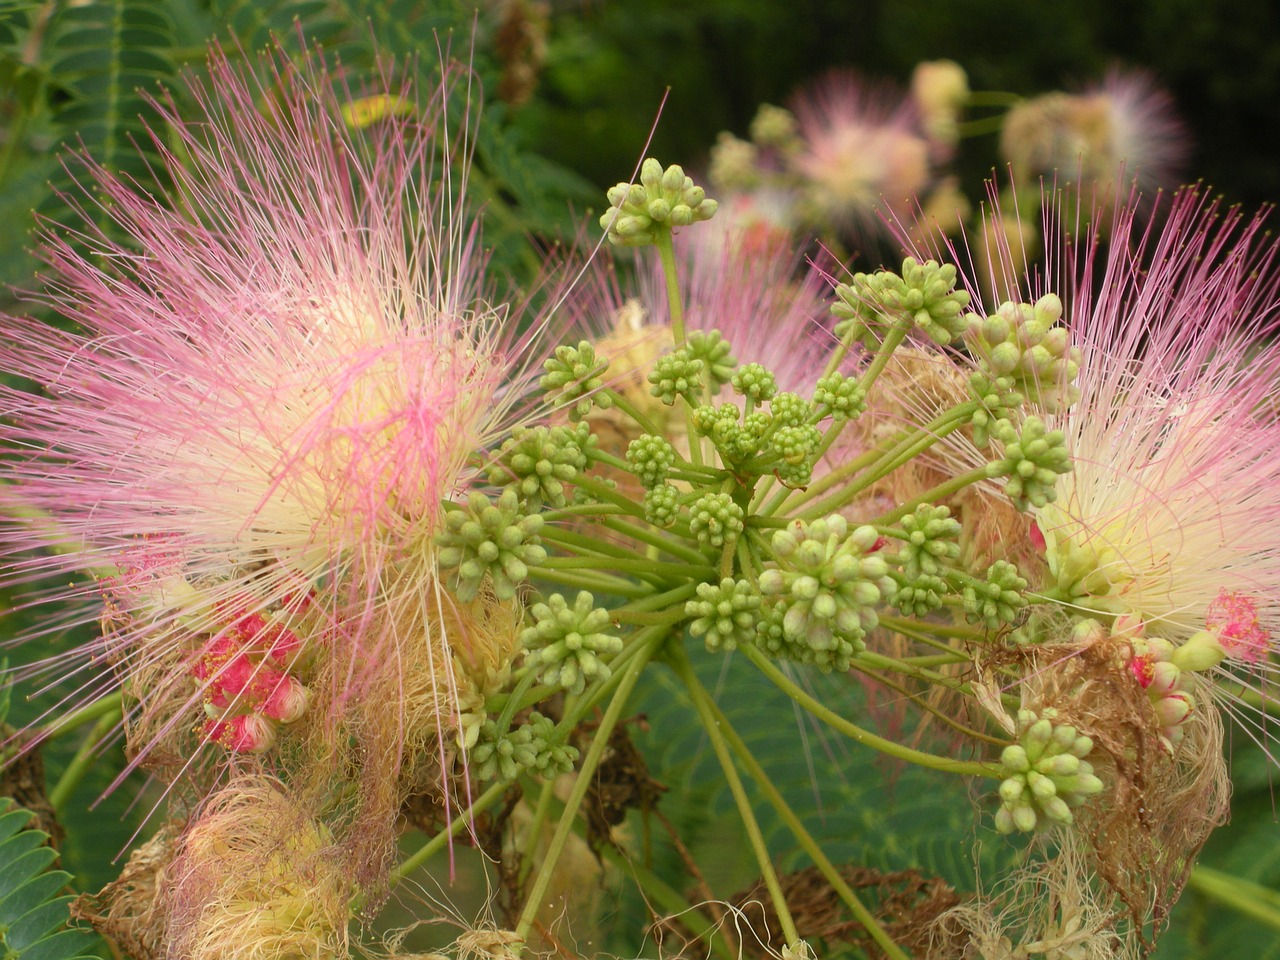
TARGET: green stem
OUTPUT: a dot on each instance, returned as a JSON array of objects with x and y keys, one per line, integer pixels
[
  {"x": 712, "y": 725},
  {"x": 638, "y": 565},
  {"x": 914, "y": 628},
  {"x": 597, "y": 583},
  {"x": 581, "y": 784},
  {"x": 667, "y": 254},
  {"x": 866, "y": 737},
  {"x": 602, "y": 491},
  {"x": 580, "y": 510},
  {"x": 513, "y": 702},
  {"x": 892, "y": 340},
  {"x": 534, "y": 829},
  {"x": 940, "y": 492},
  {"x": 436, "y": 843},
  {"x": 581, "y": 543},
  {"x": 78, "y": 718},
  {"x": 82, "y": 760},
  {"x": 811, "y": 847},
  {"x": 1253, "y": 900},
  {"x": 659, "y": 601},
  {"x": 670, "y": 900},
  {"x": 663, "y": 542},
  {"x": 904, "y": 452},
  {"x": 880, "y": 661},
  {"x": 627, "y": 407}
]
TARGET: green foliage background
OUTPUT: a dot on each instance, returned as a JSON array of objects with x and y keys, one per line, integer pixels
[{"x": 76, "y": 73}]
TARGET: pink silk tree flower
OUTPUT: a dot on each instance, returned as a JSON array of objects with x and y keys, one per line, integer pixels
[
  {"x": 273, "y": 381},
  {"x": 1171, "y": 512}
]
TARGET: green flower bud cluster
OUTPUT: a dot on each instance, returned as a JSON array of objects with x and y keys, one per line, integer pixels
[
  {"x": 927, "y": 556},
  {"x": 566, "y": 643},
  {"x": 651, "y": 458},
  {"x": 774, "y": 126},
  {"x": 795, "y": 447},
  {"x": 1021, "y": 347},
  {"x": 1045, "y": 774},
  {"x": 999, "y": 402},
  {"x": 498, "y": 540},
  {"x": 715, "y": 519},
  {"x": 733, "y": 163},
  {"x": 840, "y": 396},
  {"x": 782, "y": 440},
  {"x": 828, "y": 582},
  {"x": 725, "y": 614},
  {"x": 855, "y": 313},
  {"x": 537, "y": 462},
  {"x": 921, "y": 595},
  {"x": 713, "y": 350},
  {"x": 925, "y": 293},
  {"x": 756, "y": 382},
  {"x": 531, "y": 746},
  {"x": 792, "y": 410},
  {"x": 663, "y": 199},
  {"x": 996, "y": 601},
  {"x": 677, "y": 374},
  {"x": 738, "y": 442},
  {"x": 931, "y": 543},
  {"x": 574, "y": 379},
  {"x": 1033, "y": 461},
  {"x": 662, "y": 505}
]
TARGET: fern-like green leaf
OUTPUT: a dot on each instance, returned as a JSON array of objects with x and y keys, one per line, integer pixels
[
  {"x": 33, "y": 917},
  {"x": 108, "y": 55},
  {"x": 255, "y": 24}
]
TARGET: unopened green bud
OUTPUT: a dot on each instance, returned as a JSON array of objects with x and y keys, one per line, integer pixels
[{"x": 1202, "y": 651}]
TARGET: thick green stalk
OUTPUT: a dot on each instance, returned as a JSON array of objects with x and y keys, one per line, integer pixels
[
  {"x": 670, "y": 900},
  {"x": 633, "y": 564},
  {"x": 866, "y": 737},
  {"x": 534, "y": 829},
  {"x": 665, "y": 543},
  {"x": 581, "y": 784},
  {"x": 940, "y": 492},
  {"x": 598, "y": 583},
  {"x": 602, "y": 491},
  {"x": 667, "y": 254},
  {"x": 903, "y": 453},
  {"x": 892, "y": 340},
  {"x": 436, "y": 843},
  {"x": 811, "y": 847},
  {"x": 1244, "y": 896},
  {"x": 711, "y": 724},
  {"x": 82, "y": 760},
  {"x": 627, "y": 407},
  {"x": 111, "y": 703}
]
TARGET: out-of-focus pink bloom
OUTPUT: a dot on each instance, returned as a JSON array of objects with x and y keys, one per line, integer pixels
[
  {"x": 1123, "y": 128},
  {"x": 860, "y": 155}
]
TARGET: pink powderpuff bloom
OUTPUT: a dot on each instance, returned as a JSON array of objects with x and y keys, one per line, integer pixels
[
  {"x": 1171, "y": 513},
  {"x": 274, "y": 380},
  {"x": 861, "y": 155}
]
